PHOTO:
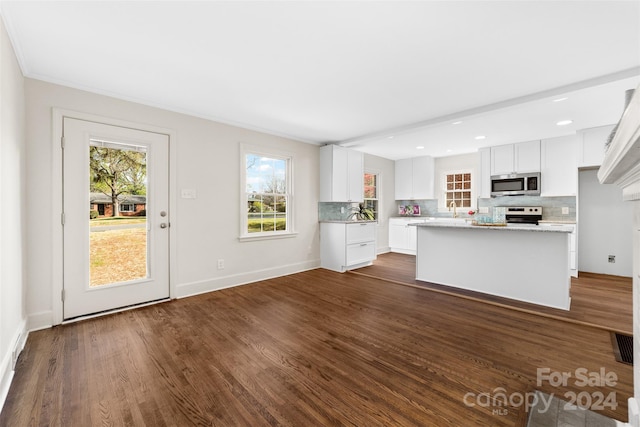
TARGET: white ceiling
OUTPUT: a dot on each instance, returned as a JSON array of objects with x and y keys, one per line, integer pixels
[{"x": 354, "y": 72}]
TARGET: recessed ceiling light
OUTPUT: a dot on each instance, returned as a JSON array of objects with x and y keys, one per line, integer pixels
[
  {"x": 479, "y": 137},
  {"x": 449, "y": 150},
  {"x": 564, "y": 98},
  {"x": 390, "y": 137},
  {"x": 457, "y": 123},
  {"x": 420, "y": 147},
  {"x": 564, "y": 122}
]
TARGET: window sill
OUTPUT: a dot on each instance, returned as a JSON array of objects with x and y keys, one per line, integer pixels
[{"x": 250, "y": 238}]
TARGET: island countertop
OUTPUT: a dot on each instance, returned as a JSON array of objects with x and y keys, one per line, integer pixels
[
  {"x": 527, "y": 263},
  {"x": 508, "y": 227}
]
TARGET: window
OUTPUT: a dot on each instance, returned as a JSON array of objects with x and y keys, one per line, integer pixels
[
  {"x": 371, "y": 193},
  {"x": 127, "y": 208},
  {"x": 457, "y": 188},
  {"x": 266, "y": 194}
]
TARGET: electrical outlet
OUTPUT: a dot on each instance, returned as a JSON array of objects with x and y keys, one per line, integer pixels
[
  {"x": 341, "y": 209},
  {"x": 220, "y": 264},
  {"x": 565, "y": 210},
  {"x": 612, "y": 258}
]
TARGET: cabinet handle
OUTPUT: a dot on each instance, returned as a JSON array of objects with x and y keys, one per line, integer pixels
[{"x": 363, "y": 244}]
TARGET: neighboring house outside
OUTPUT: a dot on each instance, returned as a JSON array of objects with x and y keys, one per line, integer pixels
[{"x": 129, "y": 205}]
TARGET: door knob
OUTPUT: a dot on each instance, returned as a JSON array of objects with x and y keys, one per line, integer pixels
[{"x": 163, "y": 225}]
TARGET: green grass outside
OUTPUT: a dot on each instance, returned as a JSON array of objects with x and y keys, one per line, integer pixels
[{"x": 266, "y": 224}]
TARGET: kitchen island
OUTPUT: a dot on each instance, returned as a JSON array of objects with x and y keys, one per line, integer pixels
[{"x": 521, "y": 262}]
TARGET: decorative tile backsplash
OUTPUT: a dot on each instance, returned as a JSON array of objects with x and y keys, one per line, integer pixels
[{"x": 551, "y": 207}]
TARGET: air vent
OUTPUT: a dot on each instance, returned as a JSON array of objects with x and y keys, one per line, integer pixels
[{"x": 622, "y": 347}]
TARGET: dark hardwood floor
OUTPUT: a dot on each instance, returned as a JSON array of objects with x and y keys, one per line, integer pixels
[
  {"x": 597, "y": 300},
  {"x": 311, "y": 349}
]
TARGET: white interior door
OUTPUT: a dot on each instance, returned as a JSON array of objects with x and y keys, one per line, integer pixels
[{"x": 121, "y": 257}]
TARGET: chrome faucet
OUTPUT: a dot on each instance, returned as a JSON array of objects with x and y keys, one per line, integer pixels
[{"x": 453, "y": 205}]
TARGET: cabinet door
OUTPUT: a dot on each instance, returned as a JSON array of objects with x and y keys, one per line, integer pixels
[
  {"x": 404, "y": 179},
  {"x": 502, "y": 159},
  {"x": 423, "y": 178},
  {"x": 333, "y": 174},
  {"x": 361, "y": 232},
  {"x": 485, "y": 172},
  {"x": 360, "y": 253},
  {"x": 527, "y": 156},
  {"x": 398, "y": 236},
  {"x": 355, "y": 181},
  {"x": 559, "y": 171}
]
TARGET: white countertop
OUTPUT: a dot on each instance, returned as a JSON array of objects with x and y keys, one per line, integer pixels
[
  {"x": 348, "y": 221},
  {"x": 508, "y": 227}
]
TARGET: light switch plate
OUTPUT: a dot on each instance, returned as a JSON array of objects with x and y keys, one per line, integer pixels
[{"x": 188, "y": 193}]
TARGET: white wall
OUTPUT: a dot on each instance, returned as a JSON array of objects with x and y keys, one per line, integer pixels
[
  {"x": 385, "y": 169},
  {"x": 604, "y": 221},
  {"x": 206, "y": 228},
  {"x": 12, "y": 211}
]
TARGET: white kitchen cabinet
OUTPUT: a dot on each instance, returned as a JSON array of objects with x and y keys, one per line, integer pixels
[
  {"x": 573, "y": 265},
  {"x": 515, "y": 158},
  {"x": 402, "y": 236},
  {"x": 484, "y": 159},
  {"x": 414, "y": 178},
  {"x": 341, "y": 174},
  {"x": 559, "y": 169},
  {"x": 591, "y": 145},
  {"x": 344, "y": 246}
]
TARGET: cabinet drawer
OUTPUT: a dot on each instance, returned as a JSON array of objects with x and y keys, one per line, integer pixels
[
  {"x": 361, "y": 252},
  {"x": 361, "y": 232}
]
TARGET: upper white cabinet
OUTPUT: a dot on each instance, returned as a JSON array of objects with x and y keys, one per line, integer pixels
[
  {"x": 515, "y": 158},
  {"x": 591, "y": 145},
  {"x": 415, "y": 178},
  {"x": 559, "y": 171},
  {"x": 484, "y": 187},
  {"x": 341, "y": 174}
]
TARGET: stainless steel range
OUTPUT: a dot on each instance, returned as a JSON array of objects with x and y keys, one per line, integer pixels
[{"x": 523, "y": 214}]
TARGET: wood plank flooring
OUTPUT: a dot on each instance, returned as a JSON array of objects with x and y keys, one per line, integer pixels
[
  {"x": 597, "y": 300},
  {"x": 312, "y": 349}
]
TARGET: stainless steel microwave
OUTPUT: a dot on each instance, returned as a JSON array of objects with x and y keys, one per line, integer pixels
[{"x": 516, "y": 184}]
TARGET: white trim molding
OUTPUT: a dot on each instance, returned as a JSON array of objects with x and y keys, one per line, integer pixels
[{"x": 621, "y": 164}]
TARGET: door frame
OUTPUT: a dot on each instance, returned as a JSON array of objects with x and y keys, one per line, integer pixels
[{"x": 58, "y": 114}]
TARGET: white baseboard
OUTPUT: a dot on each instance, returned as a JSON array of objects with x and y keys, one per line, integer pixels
[
  {"x": 41, "y": 320},
  {"x": 209, "y": 285},
  {"x": 8, "y": 359}
]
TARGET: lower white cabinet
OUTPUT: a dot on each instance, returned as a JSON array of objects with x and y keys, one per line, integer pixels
[
  {"x": 344, "y": 246},
  {"x": 402, "y": 236},
  {"x": 573, "y": 264}
]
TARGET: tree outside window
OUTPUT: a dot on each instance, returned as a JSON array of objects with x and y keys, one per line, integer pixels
[
  {"x": 267, "y": 194},
  {"x": 371, "y": 193}
]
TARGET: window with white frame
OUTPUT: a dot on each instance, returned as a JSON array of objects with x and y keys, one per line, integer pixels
[
  {"x": 127, "y": 207},
  {"x": 266, "y": 186},
  {"x": 371, "y": 181},
  {"x": 457, "y": 188}
]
